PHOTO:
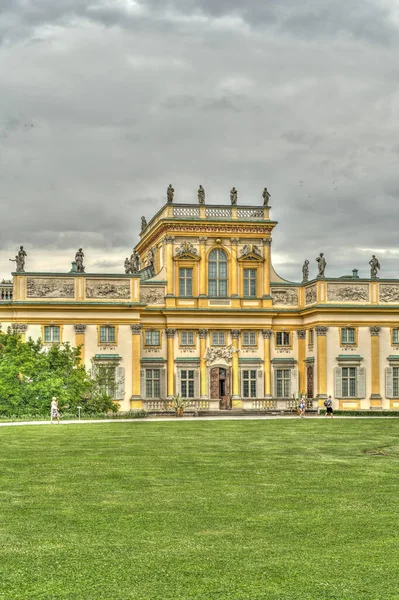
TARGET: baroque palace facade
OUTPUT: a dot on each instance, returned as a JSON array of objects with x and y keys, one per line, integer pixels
[{"x": 201, "y": 312}]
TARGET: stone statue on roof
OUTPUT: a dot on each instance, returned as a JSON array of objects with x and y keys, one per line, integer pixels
[
  {"x": 265, "y": 197},
  {"x": 375, "y": 266},
  {"x": 79, "y": 256},
  {"x": 233, "y": 196},
  {"x": 305, "y": 271},
  {"x": 143, "y": 224},
  {"x": 321, "y": 262},
  {"x": 201, "y": 195},
  {"x": 170, "y": 193}
]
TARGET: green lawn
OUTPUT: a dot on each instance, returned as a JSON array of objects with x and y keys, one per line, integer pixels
[{"x": 229, "y": 510}]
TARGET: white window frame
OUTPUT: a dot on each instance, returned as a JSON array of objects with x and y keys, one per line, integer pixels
[
  {"x": 149, "y": 337},
  {"x": 155, "y": 376},
  {"x": 187, "y": 377},
  {"x": 107, "y": 330},
  {"x": 218, "y": 338},
  {"x": 187, "y": 338},
  {"x": 250, "y": 282},
  {"x": 395, "y": 334},
  {"x": 51, "y": 338},
  {"x": 345, "y": 334},
  {"x": 284, "y": 337},
  {"x": 348, "y": 378},
  {"x": 185, "y": 280},
  {"x": 249, "y": 338},
  {"x": 249, "y": 377},
  {"x": 285, "y": 382}
]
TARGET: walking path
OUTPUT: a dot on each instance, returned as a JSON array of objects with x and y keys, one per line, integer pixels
[{"x": 192, "y": 419}]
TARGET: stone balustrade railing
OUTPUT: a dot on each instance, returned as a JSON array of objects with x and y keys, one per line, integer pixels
[{"x": 6, "y": 292}]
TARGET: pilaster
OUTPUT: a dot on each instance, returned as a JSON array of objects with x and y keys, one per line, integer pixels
[
  {"x": 375, "y": 398},
  {"x": 202, "y": 266},
  {"x": 236, "y": 401},
  {"x": 266, "y": 272},
  {"x": 169, "y": 265},
  {"x": 267, "y": 334},
  {"x": 203, "y": 335},
  {"x": 170, "y": 336},
  {"x": 301, "y": 334},
  {"x": 135, "y": 400},
  {"x": 80, "y": 330},
  {"x": 321, "y": 334},
  {"x": 234, "y": 268}
]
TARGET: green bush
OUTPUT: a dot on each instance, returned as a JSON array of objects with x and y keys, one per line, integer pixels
[{"x": 364, "y": 413}]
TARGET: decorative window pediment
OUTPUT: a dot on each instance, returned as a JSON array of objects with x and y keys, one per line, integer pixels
[
  {"x": 185, "y": 251},
  {"x": 251, "y": 257}
]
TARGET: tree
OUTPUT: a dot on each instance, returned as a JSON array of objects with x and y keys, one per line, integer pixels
[{"x": 31, "y": 373}]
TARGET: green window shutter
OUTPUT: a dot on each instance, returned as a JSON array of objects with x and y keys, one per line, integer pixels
[
  {"x": 259, "y": 384},
  {"x": 338, "y": 382},
  {"x": 142, "y": 383},
  {"x": 361, "y": 382},
  {"x": 274, "y": 393},
  {"x": 162, "y": 378},
  {"x": 389, "y": 382},
  {"x": 178, "y": 382},
  {"x": 120, "y": 383},
  {"x": 294, "y": 382},
  {"x": 196, "y": 384}
]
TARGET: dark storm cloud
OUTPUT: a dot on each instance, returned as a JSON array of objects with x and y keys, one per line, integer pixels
[{"x": 105, "y": 103}]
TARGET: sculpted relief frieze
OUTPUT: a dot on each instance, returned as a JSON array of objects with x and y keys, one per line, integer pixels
[
  {"x": 43, "y": 287},
  {"x": 108, "y": 289},
  {"x": 310, "y": 295},
  {"x": 288, "y": 296},
  {"x": 358, "y": 292},
  {"x": 389, "y": 292},
  {"x": 152, "y": 295}
]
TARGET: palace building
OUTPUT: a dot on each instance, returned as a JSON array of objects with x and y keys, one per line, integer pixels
[{"x": 201, "y": 312}]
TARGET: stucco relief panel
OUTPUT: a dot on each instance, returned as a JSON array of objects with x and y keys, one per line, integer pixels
[
  {"x": 389, "y": 292},
  {"x": 108, "y": 289},
  {"x": 289, "y": 296},
  {"x": 152, "y": 295},
  {"x": 310, "y": 295},
  {"x": 358, "y": 292},
  {"x": 49, "y": 288}
]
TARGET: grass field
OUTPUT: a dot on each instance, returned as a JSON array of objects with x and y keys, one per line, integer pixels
[{"x": 274, "y": 510}]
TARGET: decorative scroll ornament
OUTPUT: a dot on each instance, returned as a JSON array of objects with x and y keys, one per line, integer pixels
[
  {"x": 235, "y": 333},
  {"x": 267, "y": 333},
  {"x": 226, "y": 353},
  {"x": 375, "y": 330},
  {"x": 19, "y": 327},
  {"x": 186, "y": 248},
  {"x": 321, "y": 330},
  {"x": 80, "y": 328},
  {"x": 301, "y": 333},
  {"x": 250, "y": 249},
  {"x": 170, "y": 333},
  {"x": 203, "y": 333},
  {"x": 136, "y": 328}
]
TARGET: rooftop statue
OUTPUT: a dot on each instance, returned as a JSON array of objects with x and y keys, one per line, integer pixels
[
  {"x": 375, "y": 266},
  {"x": 305, "y": 271},
  {"x": 265, "y": 197},
  {"x": 143, "y": 224},
  {"x": 20, "y": 260},
  {"x": 135, "y": 261},
  {"x": 233, "y": 196},
  {"x": 321, "y": 261},
  {"x": 170, "y": 192},
  {"x": 201, "y": 195},
  {"x": 79, "y": 256}
]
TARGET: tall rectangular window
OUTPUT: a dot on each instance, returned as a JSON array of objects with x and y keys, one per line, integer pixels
[
  {"x": 249, "y": 338},
  {"x": 185, "y": 282},
  {"x": 311, "y": 337},
  {"x": 250, "y": 282},
  {"x": 218, "y": 338},
  {"x": 52, "y": 334},
  {"x": 348, "y": 335},
  {"x": 395, "y": 381},
  {"x": 107, "y": 334},
  {"x": 395, "y": 336},
  {"x": 249, "y": 383},
  {"x": 283, "y": 383},
  {"x": 152, "y": 338},
  {"x": 217, "y": 273},
  {"x": 283, "y": 338},
  {"x": 187, "y": 383},
  {"x": 107, "y": 379},
  {"x": 187, "y": 338},
  {"x": 152, "y": 383},
  {"x": 348, "y": 382}
]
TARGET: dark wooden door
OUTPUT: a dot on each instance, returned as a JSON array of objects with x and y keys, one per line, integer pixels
[
  {"x": 220, "y": 386},
  {"x": 309, "y": 381}
]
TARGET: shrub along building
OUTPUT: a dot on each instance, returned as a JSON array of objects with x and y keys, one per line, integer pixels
[{"x": 201, "y": 312}]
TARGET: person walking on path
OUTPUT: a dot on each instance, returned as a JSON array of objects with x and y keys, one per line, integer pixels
[
  {"x": 329, "y": 407},
  {"x": 54, "y": 412},
  {"x": 302, "y": 407}
]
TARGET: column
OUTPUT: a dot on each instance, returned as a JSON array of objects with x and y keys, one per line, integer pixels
[
  {"x": 170, "y": 335},
  {"x": 136, "y": 401},
  {"x": 235, "y": 336},
  {"x": 234, "y": 267},
  {"x": 80, "y": 340},
  {"x": 321, "y": 333},
  {"x": 20, "y": 328},
  {"x": 170, "y": 276},
  {"x": 202, "y": 266},
  {"x": 301, "y": 334},
  {"x": 375, "y": 398},
  {"x": 203, "y": 334},
  {"x": 266, "y": 266},
  {"x": 267, "y": 334}
]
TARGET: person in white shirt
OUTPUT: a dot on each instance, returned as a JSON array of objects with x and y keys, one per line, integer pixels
[{"x": 54, "y": 412}]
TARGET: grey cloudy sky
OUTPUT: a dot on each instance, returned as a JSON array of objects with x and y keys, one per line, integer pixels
[{"x": 127, "y": 96}]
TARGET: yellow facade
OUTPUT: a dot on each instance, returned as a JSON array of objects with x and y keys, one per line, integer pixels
[{"x": 208, "y": 318}]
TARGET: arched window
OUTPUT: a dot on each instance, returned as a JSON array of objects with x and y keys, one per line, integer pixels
[{"x": 217, "y": 274}]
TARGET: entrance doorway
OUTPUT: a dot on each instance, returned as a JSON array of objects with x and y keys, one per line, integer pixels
[
  {"x": 220, "y": 386},
  {"x": 309, "y": 378}
]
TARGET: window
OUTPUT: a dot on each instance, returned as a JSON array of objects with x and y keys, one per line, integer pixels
[
  {"x": 106, "y": 376},
  {"x": 218, "y": 338},
  {"x": 283, "y": 338},
  {"x": 283, "y": 379},
  {"x": 395, "y": 336},
  {"x": 348, "y": 382},
  {"x": 250, "y": 282},
  {"x": 249, "y": 384},
  {"x": 348, "y": 335},
  {"x": 107, "y": 334},
  {"x": 249, "y": 338},
  {"x": 310, "y": 337},
  {"x": 152, "y": 383},
  {"x": 187, "y": 384},
  {"x": 217, "y": 273},
  {"x": 186, "y": 282},
  {"x": 52, "y": 334},
  {"x": 395, "y": 371},
  {"x": 187, "y": 338},
  {"x": 152, "y": 338}
]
